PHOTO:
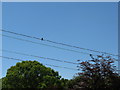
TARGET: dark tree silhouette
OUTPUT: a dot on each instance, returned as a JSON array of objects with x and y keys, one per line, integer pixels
[{"x": 98, "y": 73}]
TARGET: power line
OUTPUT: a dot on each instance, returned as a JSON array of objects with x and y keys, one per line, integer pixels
[
  {"x": 79, "y": 47},
  {"x": 39, "y": 57},
  {"x": 44, "y": 64},
  {"x": 45, "y": 44},
  {"x": 61, "y": 67},
  {"x": 48, "y": 46},
  {"x": 57, "y": 42}
]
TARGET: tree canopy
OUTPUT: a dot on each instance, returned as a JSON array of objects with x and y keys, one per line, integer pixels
[
  {"x": 32, "y": 74},
  {"x": 98, "y": 73}
]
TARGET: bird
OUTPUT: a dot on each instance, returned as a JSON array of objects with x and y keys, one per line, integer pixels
[
  {"x": 91, "y": 56},
  {"x": 41, "y": 38}
]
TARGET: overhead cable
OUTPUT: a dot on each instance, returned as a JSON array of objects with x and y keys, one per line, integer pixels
[
  {"x": 42, "y": 39},
  {"x": 44, "y": 64},
  {"x": 38, "y": 56},
  {"x": 45, "y": 44}
]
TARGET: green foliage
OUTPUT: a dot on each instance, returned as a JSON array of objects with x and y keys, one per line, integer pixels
[
  {"x": 0, "y": 83},
  {"x": 32, "y": 74},
  {"x": 98, "y": 73}
]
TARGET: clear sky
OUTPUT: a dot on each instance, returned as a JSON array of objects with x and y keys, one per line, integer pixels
[{"x": 89, "y": 25}]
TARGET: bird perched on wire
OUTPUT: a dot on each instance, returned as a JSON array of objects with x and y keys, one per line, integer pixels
[
  {"x": 41, "y": 38},
  {"x": 91, "y": 56}
]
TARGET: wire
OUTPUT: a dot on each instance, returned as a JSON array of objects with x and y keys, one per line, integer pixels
[
  {"x": 44, "y": 44},
  {"x": 39, "y": 57},
  {"x": 44, "y": 64},
  {"x": 57, "y": 42},
  {"x": 61, "y": 67},
  {"x": 80, "y": 48}
]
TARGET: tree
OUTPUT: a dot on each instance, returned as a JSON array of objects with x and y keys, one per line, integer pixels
[
  {"x": 31, "y": 74},
  {"x": 0, "y": 83},
  {"x": 98, "y": 73}
]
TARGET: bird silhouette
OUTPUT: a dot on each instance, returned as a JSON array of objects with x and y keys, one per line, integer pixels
[
  {"x": 91, "y": 56},
  {"x": 41, "y": 38}
]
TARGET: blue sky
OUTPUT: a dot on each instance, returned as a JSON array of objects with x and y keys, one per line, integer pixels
[{"x": 89, "y": 25}]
